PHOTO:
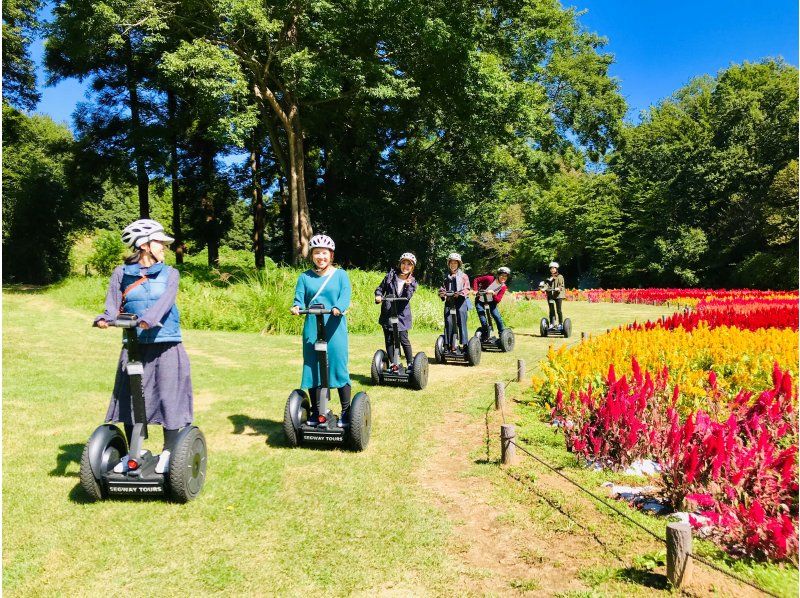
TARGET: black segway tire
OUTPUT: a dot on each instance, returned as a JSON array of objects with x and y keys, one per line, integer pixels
[
  {"x": 187, "y": 466},
  {"x": 379, "y": 361},
  {"x": 474, "y": 351},
  {"x": 438, "y": 351},
  {"x": 360, "y": 421},
  {"x": 419, "y": 377},
  {"x": 294, "y": 414},
  {"x": 567, "y": 327},
  {"x": 543, "y": 327},
  {"x": 106, "y": 457},
  {"x": 507, "y": 340}
]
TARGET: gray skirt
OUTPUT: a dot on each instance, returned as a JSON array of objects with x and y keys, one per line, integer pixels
[{"x": 167, "y": 386}]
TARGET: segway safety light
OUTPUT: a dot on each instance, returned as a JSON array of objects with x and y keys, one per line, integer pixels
[
  {"x": 322, "y": 419},
  {"x": 133, "y": 464}
]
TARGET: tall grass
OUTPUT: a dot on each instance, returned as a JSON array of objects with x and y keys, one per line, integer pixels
[{"x": 237, "y": 298}]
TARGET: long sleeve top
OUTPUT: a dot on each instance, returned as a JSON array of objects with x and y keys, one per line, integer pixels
[
  {"x": 488, "y": 281},
  {"x": 457, "y": 283},
  {"x": 152, "y": 316},
  {"x": 388, "y": 287}
]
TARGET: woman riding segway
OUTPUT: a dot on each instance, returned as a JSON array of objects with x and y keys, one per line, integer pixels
[
  {"x": 490, "y": 290},
  {"x": 143, "y": 291},
  {"x": 328, "y": 286},
  {"x": 555, "y": 290},
  {"x": 398, "y": 282}
]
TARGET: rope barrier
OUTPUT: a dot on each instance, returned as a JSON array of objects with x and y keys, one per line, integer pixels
[{"x": 642, "y": 527}]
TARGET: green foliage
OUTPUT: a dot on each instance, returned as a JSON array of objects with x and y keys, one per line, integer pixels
[
  {"x": 20, "y": 22},
  {"x": 576, "y": 222},
  {"x": 235, "y": 297},
  {"x": 704, "y": 173},
  {"x": 40, "y": 208},
  {"x": 108, "y": 252}
]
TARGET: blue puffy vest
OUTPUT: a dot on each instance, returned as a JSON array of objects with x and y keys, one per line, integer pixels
[{"x": 144, "y": 296}]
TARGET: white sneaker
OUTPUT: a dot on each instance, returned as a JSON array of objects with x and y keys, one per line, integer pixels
[
  {"x": 163, "y": 462},
  {"x": 122, "y": 465}
]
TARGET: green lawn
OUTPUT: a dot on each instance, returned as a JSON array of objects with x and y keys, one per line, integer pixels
[{"x": 270, "y": 520}]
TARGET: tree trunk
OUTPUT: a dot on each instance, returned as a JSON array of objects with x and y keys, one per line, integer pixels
[
  {"x": 177, "y": 246},
  {"x": 258, "y": 200},
  {"x": 286, "y": 217},
  {"x": 142, "y": 180},
  {"x": 212, "y": 221},
  {"x": 301, "y": 226}
]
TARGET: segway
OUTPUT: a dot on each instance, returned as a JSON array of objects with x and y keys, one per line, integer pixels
[
  {"x": 327, "y": 430},
  {"x": 111, "y": 469},
  {"x": 451, "y": 350},
  {"x": 550, "y": 328},
  {"x": 490, "y": 342},
  {"x": 382, "y": 371}
]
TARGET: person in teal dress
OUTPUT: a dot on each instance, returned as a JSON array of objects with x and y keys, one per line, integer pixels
[{"x": 329, "y": 286}]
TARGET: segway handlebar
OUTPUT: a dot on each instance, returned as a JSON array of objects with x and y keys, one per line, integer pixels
[
  {"x": 391, "y": 299},
  {"x": 124, "y": 321},
  {"x": 315, "y": 311}
]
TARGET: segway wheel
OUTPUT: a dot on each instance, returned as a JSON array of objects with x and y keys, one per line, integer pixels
[
  {"x": 360, "y": 421},
  {"x": 507, "y": 340},
  {"x": 187, "y": 466},
  {"x": 474, "y": 351},
  {"x": 567, "y": 327},
  {"x": 438, "y": 351},
  {"x": 295, "y": 413},
  {"x": 113, "y": 448},
  {"x": 419, "y": 377},
  {"x": 379, "y": 361},
  {"x": 543, "y": 326}
]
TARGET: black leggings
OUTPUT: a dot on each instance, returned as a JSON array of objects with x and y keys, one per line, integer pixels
[
  {"x": 170, "y": 436},
  {"x": 404, "y": 342},
  {"x": 344, "y": 397},
  {"x": 555, "y": 306}
]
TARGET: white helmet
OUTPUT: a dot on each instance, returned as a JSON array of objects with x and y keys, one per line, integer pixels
[
  {"x": 455, "y": 256},
  {"x": 553, "y": 265},
  {"x": 504, "y": 270},
  {"x": 143, "y": 231},
  {"x": 323, "y": 241},
  {"x": 409, "y": 256}
]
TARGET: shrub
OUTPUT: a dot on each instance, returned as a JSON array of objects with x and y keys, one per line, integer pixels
[{"x": 108, "y": 251}]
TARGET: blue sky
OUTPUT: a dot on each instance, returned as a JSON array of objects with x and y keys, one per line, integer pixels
[{"x": 658, "y": 46}]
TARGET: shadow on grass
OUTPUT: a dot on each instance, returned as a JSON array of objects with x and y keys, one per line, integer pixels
[
  {"x": 24, "y": 289},
  {"x": 272, "y": 429},
  {"x": 78, "y": 495},
  {"x": 361, "y": 379},
  {"x": 643, "y": 577},
  {"x": 70, "y": 453}
]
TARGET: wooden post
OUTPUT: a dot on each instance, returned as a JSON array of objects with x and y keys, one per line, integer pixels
[
  {"x": 508, "y": 450},
  {"x": 608, "y": 330},
  {"x": 499, "y": 395},
  {"x": 679, "y": 549},
  {"x": 520, "y": 370},
  {"x": 583, "y": 336}
]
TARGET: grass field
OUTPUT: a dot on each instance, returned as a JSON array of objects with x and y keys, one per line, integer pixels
[{"x": 270, "y": 520}]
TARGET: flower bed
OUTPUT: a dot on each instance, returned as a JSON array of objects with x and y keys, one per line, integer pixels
[{"x": 708, "y": 394}]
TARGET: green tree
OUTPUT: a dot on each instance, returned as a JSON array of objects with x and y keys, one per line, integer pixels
[
  {"x": 115, "y": 43},
  {"x": 20, "y": 22},
  {"x": 703, "y": 170},
  {"x": 40, "y": 208}
]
